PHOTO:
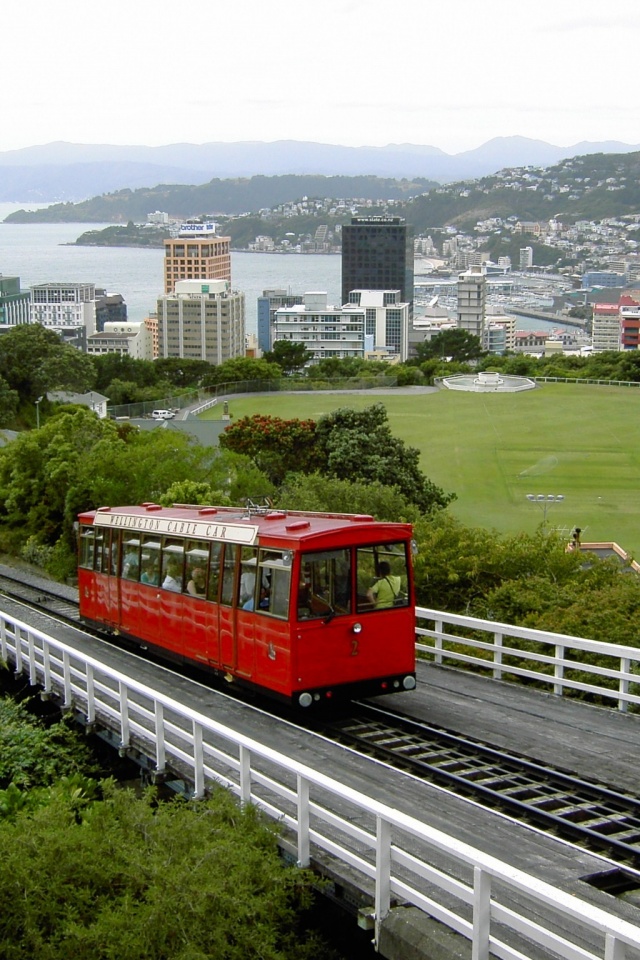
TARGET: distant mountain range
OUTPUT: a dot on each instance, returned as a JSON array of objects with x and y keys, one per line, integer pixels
[{"x": 73, "y": 171}]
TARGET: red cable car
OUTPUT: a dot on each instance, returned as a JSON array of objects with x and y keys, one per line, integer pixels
[{"x": 307, "y": 607}]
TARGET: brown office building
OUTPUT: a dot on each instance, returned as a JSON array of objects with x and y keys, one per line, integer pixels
[{"x": 197, "y": 253}]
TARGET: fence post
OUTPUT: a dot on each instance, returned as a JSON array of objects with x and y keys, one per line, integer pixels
[
  {"x": 91, "y": 700},
  {"x": 438, "y": 641},
  {"x": 623, "y": 687},
  {"x": 33, "y": 674},
  {"x": 383, "y": 873},
  {"x": 198, "y": 761},
  {"x": 558, "y": 671},
  {"x": 481, "y": 914},
  {"x": 124, "y": 716},
  {"x": 497, "y": 656},
  {"x": 304, "y": 850},
  {"x": 614, "y": 949},
  {"x": 245, "y": 774},
  {"x": 160, "y": 746},
  {"x": 66, "y": 672}
]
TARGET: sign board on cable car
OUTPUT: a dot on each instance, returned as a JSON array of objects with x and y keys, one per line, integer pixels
[{"x": 245, "y": 533}]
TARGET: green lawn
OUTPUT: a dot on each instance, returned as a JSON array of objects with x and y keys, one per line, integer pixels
[{"x": 493, "y": 449}]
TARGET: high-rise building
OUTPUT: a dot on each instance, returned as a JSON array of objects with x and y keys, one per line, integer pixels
[
  {"x": 500, "y": 333},
  {"x": 472, "y": 295},
  {"x": 14, "y": 303},
  {"x": 128, "y": 339},
  {"x": 386, "y": 321},
  {"x": 325, "y": 331},
  {"x": 377, "y": 254},
  {"x": 67, "y": 308},
  {"x": 110, "y": 308},
  {"x": 197, "y": 253},
  {"x": 605, "y": 327},
  {"x": 268, "y": 303},
  {"x": 201, "y": 321},
  {"x": 526, "y": 258},
  {"x": 629, "y": 323}
]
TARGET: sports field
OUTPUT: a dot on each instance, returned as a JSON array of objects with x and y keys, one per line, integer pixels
[{"x": 493, "y": 449}]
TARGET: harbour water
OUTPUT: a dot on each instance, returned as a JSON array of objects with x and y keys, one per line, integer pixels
[{"x": 45, "y": 253}]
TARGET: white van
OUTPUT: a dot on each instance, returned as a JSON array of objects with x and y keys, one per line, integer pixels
[{"x": 162, "y": 414}]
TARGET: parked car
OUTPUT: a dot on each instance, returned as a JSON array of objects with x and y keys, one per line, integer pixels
[{"x": 162, "y": 414}]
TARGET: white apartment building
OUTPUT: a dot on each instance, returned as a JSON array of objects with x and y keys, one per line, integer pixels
[
  {"x": 472, "y": 296},
  {"x": 202, "y": 320},
  {"x": 324, "y": 330},
  {"x": 605, "y": 329},
  {"x": 386, "y": 322},
  {"x": 500, "y": 332},
  {"x": 64, "y": 306},
  {"x": 129, "y": 339},
  {"x": 526, "y": 258}
]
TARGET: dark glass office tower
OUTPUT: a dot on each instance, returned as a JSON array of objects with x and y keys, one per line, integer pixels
[{"x": 377, "y": 254}]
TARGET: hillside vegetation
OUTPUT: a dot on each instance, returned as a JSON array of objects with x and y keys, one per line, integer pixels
[
  {"x": 588, "y": 187},
  {"x": 230, "y": 197}
]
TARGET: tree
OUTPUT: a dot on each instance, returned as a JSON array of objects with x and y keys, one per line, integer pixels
[
  {"x": 241, "y": 368},
  {"x": 138, "y": 880},
  {"x": 343, "y": 368},
  {"x": 276, "y": 446},
  {"x": 289, "y": 356},
  {"x": 181, "y": 372},
  {"x": 317, "y": 492},
  {"x": 458, "y": 567},
  {"x": 34, "y": 360},
  {"x": 456, "y": 344},
  {"x": 32, "y": 754},
  {"x": 359, "y": 445},
  {"x": 9, "y": 400},
  {"x": 193, "y": 491},
  {"x": 117, "y": 366}
]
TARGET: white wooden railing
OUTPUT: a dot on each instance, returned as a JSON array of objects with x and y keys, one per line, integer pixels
[
  {"x": 484, "y": 644},
  {"x": 493, "y": 905},
  {"x": 205, "y": 405}
]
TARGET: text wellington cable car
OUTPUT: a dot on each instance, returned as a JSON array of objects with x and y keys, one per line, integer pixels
[{"x": 304, "y": 606}]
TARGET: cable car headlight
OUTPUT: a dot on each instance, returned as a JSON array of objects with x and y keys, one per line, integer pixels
[
  {"x": 414, "y": 548},
  {"x": 357, "y": 628},
  {"x": 287, "y": 558}
]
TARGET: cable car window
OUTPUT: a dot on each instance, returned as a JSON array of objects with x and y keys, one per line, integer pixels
[
  {"x": 274, "y": 577},
  {"x": 97, "y": 556},
  {"x": 150, "y": 561},
  {"x": 213, "y": 584},
  {"x": 382, "y": 578},
  {"x": 87, "y": 547},
  {"x": 247, "y": 583},
  {"x": 131, "y": 559},
  {"x": 324, "y": 586},
  {"x": 114, "y": 560},
  {"x": 228, "y": 573},
  {"x": 172, "y": 568},
  {"x": 196, "y": 566}
]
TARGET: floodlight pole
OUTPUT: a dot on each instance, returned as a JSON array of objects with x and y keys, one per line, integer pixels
[{"x": 544, "y": 502}]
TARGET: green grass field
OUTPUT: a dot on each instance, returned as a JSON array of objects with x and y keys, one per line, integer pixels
[{"x": 493, "y": 449}]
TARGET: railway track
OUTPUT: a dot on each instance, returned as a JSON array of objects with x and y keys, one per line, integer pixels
[
  {"x": 48, "y": 597},
  {"x": 588, "y": 814}
]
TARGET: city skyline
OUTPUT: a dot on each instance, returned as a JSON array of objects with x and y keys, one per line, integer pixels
[{"x": 344, "y": 73}]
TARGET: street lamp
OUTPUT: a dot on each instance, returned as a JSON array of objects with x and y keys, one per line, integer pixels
[
  {"x": 544, "y": 502},
  {"x": 38, "y": 412}
]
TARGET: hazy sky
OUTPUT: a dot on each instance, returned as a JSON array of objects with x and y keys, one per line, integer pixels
[{"x": 357, "y": 72}]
